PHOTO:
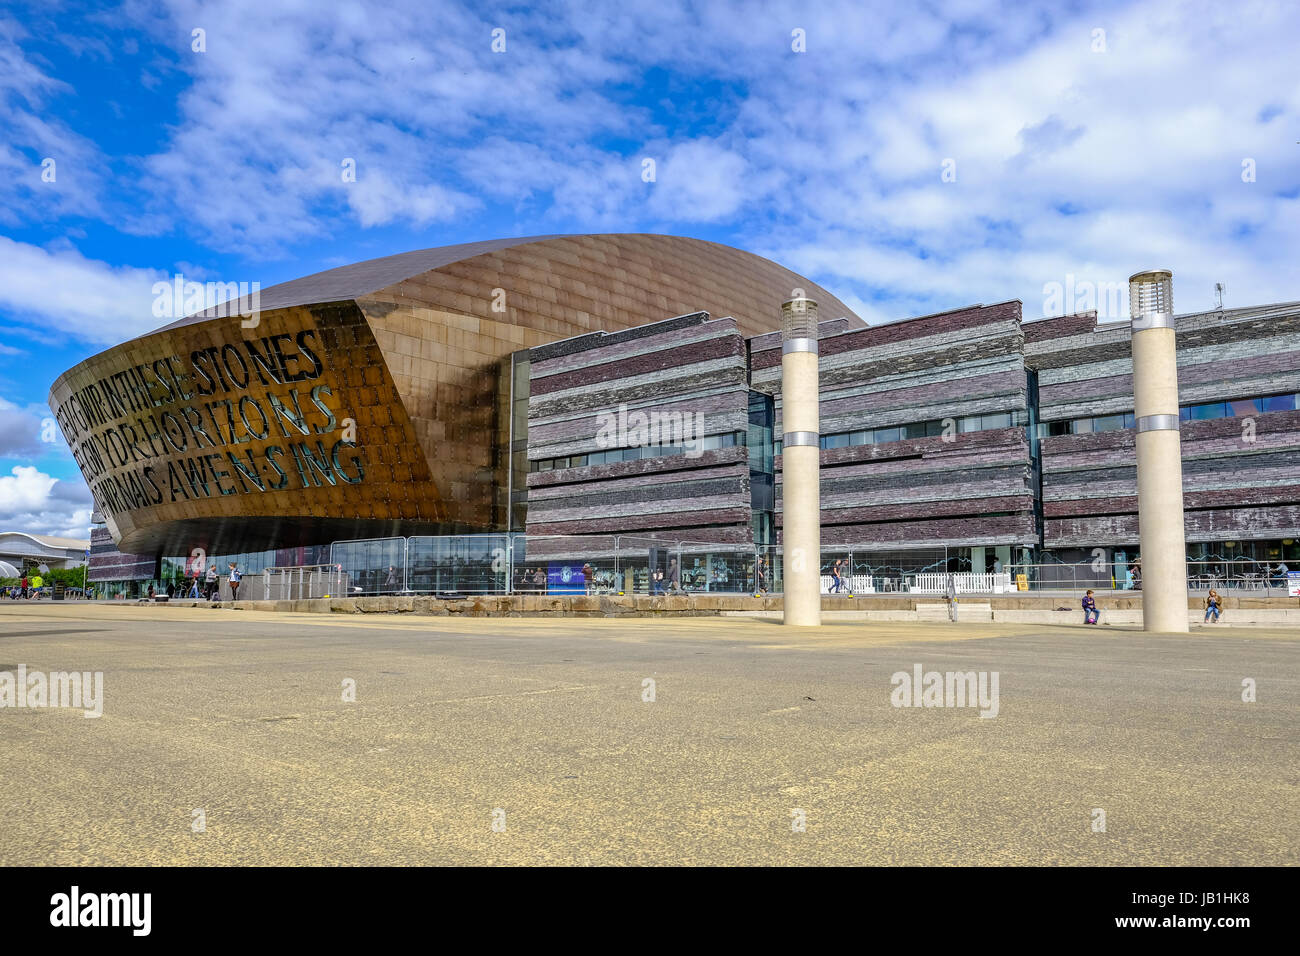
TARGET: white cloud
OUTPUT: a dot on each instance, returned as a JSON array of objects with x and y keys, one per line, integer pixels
[
  {"x": 37, "y": 503},
  {"x": 27, "y": 432},
  {"x": 63, "y": 290},
  {"x": 1069, "y": 162}
]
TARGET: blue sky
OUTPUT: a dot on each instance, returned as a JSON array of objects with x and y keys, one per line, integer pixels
[{"x": 1084, "y": 141}]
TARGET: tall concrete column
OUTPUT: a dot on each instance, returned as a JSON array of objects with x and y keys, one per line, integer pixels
[
  {"x": 1159, "y": 453},
  {"x": 800, "y": 469}
]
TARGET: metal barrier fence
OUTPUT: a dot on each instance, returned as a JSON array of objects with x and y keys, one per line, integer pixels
[
  {"x": 303, "y": 583},
  {"x": 641, "y": 564},
  {"x": 1235, "y": 574}
]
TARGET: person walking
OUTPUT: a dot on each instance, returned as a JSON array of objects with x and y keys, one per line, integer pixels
[
  {"x": 1090, "y": 612},
  {"x": 390, "y": 582},
  {"x": 952, "y": 597},
  {"x": 235, "y": 578},
  {"x": 1212, "y": 606},
  {"x": 837, "y": 576},
  {"x": 210, "y": 586}
]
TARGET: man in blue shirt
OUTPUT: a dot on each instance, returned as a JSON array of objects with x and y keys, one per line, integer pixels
[{"x": 1090, "y": 612}]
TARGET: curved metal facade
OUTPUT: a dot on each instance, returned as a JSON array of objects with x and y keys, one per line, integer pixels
[{"x": 368, "y": 399}]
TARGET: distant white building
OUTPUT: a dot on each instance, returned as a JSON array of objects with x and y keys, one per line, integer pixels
[{"x": 23, "y": 550}]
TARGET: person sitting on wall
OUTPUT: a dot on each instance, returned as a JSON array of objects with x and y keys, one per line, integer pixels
[
  {"x": 1090, "y": 612},
  {"x": 1212, "y": 605}
]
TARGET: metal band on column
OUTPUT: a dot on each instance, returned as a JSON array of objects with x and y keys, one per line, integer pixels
[
  {"x": 1157, "y": 423},
  {"x": 1153, "y": 320},
  {"x": 799, "y": 345},
  {"x": 793, "y": 439}
]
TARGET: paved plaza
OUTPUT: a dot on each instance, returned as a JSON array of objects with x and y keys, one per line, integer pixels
[{"x": 761, "y": 745}]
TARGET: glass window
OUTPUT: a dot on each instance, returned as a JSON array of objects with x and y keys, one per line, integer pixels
[
  {"x": 1058, "y": 428},
  {"x": 888, "y": 434},
  {"x": 1108, "y": 423},
  {"x": 839, "y": 441},
  {"x": 1279, "y": 403},
  {"x": 970, "y": 423},
  {"x": 917, "y": 430},
  {"x": 1201, "y": 413},
  {"x": 999, "y": 420},
  {"x": 860, "y": 438},
  {"x": 1082, "y": 426},
  {"x": 1129, "y": 420},
  {"x": 1245, "y": 407}
]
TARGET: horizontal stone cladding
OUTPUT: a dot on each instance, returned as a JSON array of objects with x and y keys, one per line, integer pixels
[
  {"x": 1239, "y": 481},
  {"x": 961, "y": 488},
  {"x": 590, "y": 394},
  {"x": 109, "y": 564},
  {"x": 1241, "y": 476},
  {"x": 968, "y": 489}
]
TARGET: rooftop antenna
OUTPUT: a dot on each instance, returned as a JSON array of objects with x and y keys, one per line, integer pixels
[{"x": 1219, "y": 289}]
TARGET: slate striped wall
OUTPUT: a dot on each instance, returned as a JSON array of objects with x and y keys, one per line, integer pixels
[
  {"x": 968, "y": 489},
  {"x": 109, "y": 564},
  {"x": 1233, "y": 488},
  {"x": 688, "y": 364}
]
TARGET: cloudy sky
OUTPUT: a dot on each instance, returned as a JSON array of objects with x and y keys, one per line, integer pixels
[{"x": 910, "y": 156}]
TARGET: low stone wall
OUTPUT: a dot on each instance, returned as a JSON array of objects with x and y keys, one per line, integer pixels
[{"x": 1011, "y": 609}]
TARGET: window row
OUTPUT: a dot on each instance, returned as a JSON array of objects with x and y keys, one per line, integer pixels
[
  {"x": 1238, "y": 408},
  {"x": 935, "y": 428},
  {"x": 637, "y": 452}
]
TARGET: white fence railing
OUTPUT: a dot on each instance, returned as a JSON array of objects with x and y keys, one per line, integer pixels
[
  {"x": 965, "y": 583},
  {"x": 855, "y": 584}
]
